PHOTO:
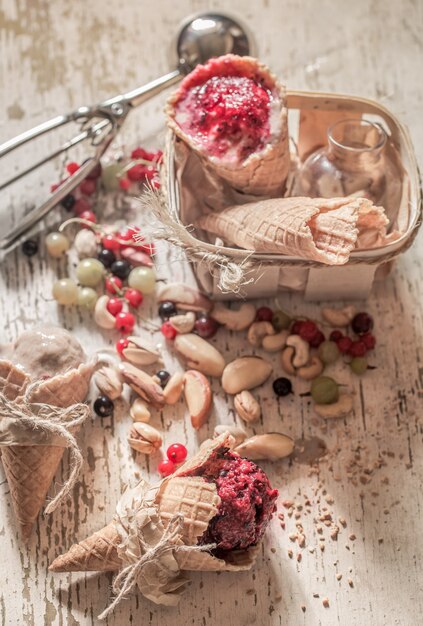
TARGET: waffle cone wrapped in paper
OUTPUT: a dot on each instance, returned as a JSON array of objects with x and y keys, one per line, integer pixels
[
  {"x": 169, "y": 521},
  {"x": 247, "y": 144},
  {"x": 316, "y": 229},
  {"x": 30, "y": 468}
]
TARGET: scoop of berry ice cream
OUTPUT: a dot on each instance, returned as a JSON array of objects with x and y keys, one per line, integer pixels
[{"x": 247, "y": 502}]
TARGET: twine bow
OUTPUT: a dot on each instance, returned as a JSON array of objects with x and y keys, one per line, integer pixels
[
  {"x": 126, "y": 580},
  {"x": 44, "y": 418}
]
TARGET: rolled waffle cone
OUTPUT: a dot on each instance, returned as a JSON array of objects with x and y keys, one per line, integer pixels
[
  {"x": 262, "y": 173},
  {"x": 317, "y": 229},
  {"x": 30, "y": 469},
  {"x": 97, "y": 553},
  {"x": 192, "y": 496}
]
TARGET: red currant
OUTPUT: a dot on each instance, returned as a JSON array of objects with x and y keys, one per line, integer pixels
[
  {"x": 369, "y": 341},
  {"x": 88, "y": 187},
  {"x": 137, "y": 173},
  {"x": 158, "y": 157},
  {"x": 148, "y": 248},
  {"x": 128, "y": 234},
  {"x": 206, "y": 326},
  {"x": 134, "y": 297},
  {"x": 121, "y": 345},
  {"x": 140, "y": 153},
  {"x": 125, "y": 322},
  {"x": 176, "y": 453},
  {"x": 124, "y": 183},
  {"x": 168, "y": 330},
  {"x": 110, "y": 243},
  {"x": 114, "y": 306},
  {"x": 264, "y": 314},
  {"x": 81, "y": 205},
  {"x": 357, "y": 348},
  {"x": 308, "y": 330},
  {"x": 72, "y": 167},
  {"x": 344, "y": 344},
  {"x": 113, "y": 284},
  {"x": 317, "y": 339},
  {"x": 296, "y": 327},
  {"x": 166, "y": 467},
  {"x": 89, "y": 216},
  {"x": 155, "y": 183},
  {"x": 335, "y": 335}
]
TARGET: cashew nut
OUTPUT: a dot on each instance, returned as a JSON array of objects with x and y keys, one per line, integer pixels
[
  {"x": 338, "y": 318},
  {"x": 183, "y": 323},
  {"x": 302, "y": 350},
  {"x": 102, "y": 317},
  {"x": 257, "y": 331},
  {"x": 274, "y": 343},
  {"x": 313, "y": 369},
  {"x": 232, "y": 319},
  {"x": 341, "y": 408},
  {"x": 286, "y": 360}
]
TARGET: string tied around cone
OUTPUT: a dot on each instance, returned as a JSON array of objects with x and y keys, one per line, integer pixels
[
  {"x": 126, "y": 580},
  {"x": 26, "y": 423}
]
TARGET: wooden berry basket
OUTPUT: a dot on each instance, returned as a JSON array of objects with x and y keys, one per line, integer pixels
[{"x": 225, "y": 272}]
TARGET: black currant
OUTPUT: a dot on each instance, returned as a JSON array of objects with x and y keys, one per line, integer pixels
[
  {"x": 282, "y": 386},
  {"x": 68, "y": 202},
  {"x": 121, "y": 269},
  {"x": 107, "y": 257},
  {"x": 103, "y": 406},
  {"x": 30, "y": 247},
  {"x": 167, "y": 309},
  {"x": 163, "y": 376}
]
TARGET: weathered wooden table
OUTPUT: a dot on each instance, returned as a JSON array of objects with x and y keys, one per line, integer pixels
[{"x": 55, "y": 56}]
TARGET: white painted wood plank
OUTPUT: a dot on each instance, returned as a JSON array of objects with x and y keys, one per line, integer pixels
[{"x": 55, "y": 56}]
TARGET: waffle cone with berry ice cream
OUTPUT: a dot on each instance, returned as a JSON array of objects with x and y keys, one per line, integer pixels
[
  {"x": 48, "y": 365},
  {"x": 223, "y": 504},
  {"x": 231, "y": 112}
]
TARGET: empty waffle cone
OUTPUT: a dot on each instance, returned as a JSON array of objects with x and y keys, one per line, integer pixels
[
  {"x": 263, "y": 172},
  {"x": 30, "y": 469},
  {"x": 317, "y": 229},
  {"x": 192, "y": 496}
]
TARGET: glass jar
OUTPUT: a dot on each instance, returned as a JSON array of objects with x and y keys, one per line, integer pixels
[{"x": 352, "y": 163}]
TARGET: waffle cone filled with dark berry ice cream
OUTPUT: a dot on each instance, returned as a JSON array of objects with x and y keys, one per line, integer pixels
[
  {"x": 224, "y": 504},
  {"x": 231, "y": 112}
]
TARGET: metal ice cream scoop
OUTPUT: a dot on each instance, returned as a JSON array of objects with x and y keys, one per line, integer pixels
[{"x": 200, "y": 38}]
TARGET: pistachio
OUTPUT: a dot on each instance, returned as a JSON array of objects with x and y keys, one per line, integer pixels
[
  {"x": 313, "y": 369},
  {"x": 174, "y": 386},
  {"x": 302, "y": 350},
  {"x": 274, "y": 343},
  {"x": 85, "y": 244},
  {"x": 109, "y": 382},
  {"x": 247, "y": 406},
  {"x": 102, "y": 317},
  {"x": 183, "y": 323},
  {"x": 287, "y": 356},
  {"x": 199, "y": 354},
  {"x": 143, "y": 385},
  {"x": 268, "y": 447},
  {"x": 144, "y": 438},
  {"x": 341, "y": 408},
  {"x": 245, "y": 372},
  {"x": 338, "y": 318},
  {"x": 237, "y": 432},
  {"x": 257, "y": 331},
  {"x": 139, "y": 411},
  {"x": 185, "y": 297},
  {"x": 140, "y": 352},
  {"x": 234, "y": 319},
  {"x": 198, "y": 397}
]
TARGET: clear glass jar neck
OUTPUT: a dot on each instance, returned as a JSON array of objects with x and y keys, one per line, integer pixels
[{"x": 356, "y": 145}]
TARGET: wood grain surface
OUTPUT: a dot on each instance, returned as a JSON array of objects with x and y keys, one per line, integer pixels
[{"x": 58, "y": 55}]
